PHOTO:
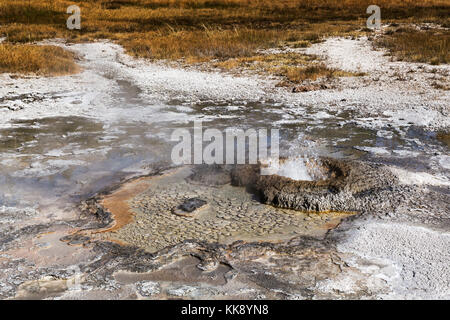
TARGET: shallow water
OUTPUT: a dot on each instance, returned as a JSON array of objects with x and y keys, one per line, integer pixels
[{"x": 62, "y": 160}]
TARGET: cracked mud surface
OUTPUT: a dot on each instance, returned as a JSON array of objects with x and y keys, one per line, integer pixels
[{"x": 231, "y": 214}]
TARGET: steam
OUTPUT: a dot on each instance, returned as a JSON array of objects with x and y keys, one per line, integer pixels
[{"x": 295, "y": 168}]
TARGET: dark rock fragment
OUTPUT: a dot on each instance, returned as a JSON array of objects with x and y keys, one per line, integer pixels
[{"x": 189, "y": 206}]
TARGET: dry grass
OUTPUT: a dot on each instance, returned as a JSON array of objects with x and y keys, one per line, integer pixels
[
  {"x": 201, "y": 45},
  {"x": 125, "y": 17},
  {"x": 314, "y": 72},
  {"x": 444, "y": 136},
  {"x": 430, "y": 46},
  {"x": 267, "y": 62},
  {"x": 293, "y": 67},
  {"x": 203, "y": 30},
  {"x": 215, "y": 43},
  {"x": 20, "y": 33},
  {"x": 41, "y": 60}
]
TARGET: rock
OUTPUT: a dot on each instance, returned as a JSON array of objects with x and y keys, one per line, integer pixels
[
  {"x": 306, "y": 88},
  {"x": 15, "y": 107},
  {"x": 189, "y": 207},
  {"x": 208, "y": 265},
  {"x": 181, "y": 291},
  {"x": 148, "y": 288},
  {"x": 210, "y": 175}
]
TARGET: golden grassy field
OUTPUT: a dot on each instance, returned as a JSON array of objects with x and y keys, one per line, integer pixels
[
  {"x": 222, "y": 31},
  {"x": 432, "y": 46},
  {"x": 41, "y": 60}
]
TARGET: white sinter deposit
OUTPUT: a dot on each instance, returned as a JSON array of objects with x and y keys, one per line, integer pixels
[
  {"x": 421, "y": 257},
  {"x": 90, "y": 93}
]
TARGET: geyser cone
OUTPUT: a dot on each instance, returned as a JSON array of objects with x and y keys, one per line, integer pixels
[{"x": 344, "y": 185}]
